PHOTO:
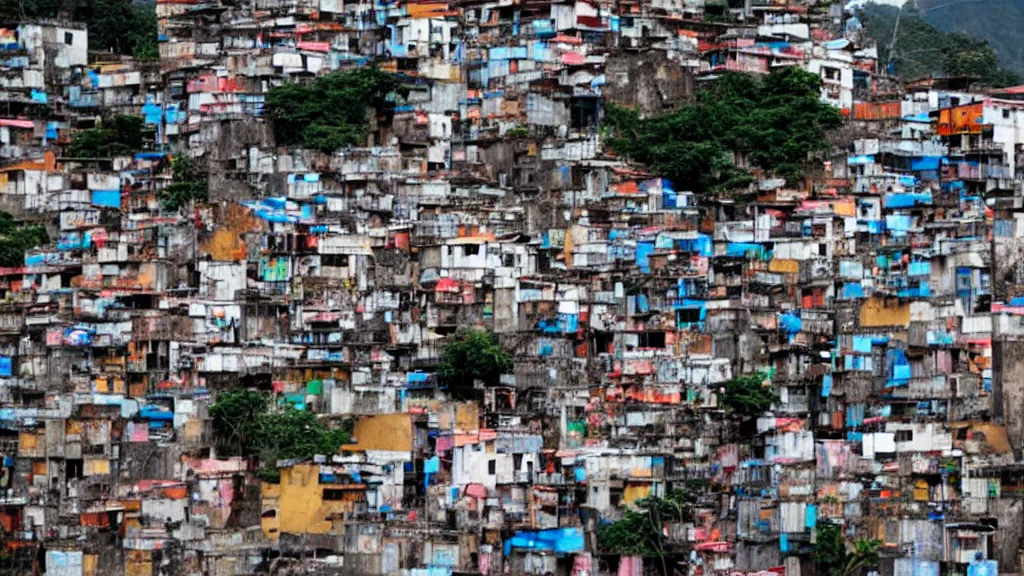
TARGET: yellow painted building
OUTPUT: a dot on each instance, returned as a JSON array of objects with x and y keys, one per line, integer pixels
[
  {"x": 300, "y": 504},
  {"x": 382, "y": 432},
  {"x": 879, "y": 312}
]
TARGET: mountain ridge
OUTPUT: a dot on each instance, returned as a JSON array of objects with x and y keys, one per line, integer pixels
[{"x": 999, "y": 22}]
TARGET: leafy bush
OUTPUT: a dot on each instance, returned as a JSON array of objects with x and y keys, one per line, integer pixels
[
  {"x": 967, "y": 56},
  {"x": 122, "y": 136},
  {"x": 471, "y": 355},
  {"x": 778, "y": 121},
  {"x": 747, "y": 396},
  {"x": 330, "y": 112},
  {"x": 16, "y": 238},
  {"x": 640, "y": 530},
  {"x": 244, "y": 426},
  {"x": 188, "y": 184},
  {"x": 518, "y": 132},
  {"x": 831, "y": 557},
  {"x": 297, "y": 434},
  {"x": 236, "y": 416}
]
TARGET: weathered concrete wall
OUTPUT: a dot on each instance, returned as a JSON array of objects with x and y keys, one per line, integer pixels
[
  {"x": 1010, "y": 514},
  {"x": 754, "y": 557},
  {"x": 231, "y": 141},
  {"x": 1007, "y": 266},
  {"x": 1008, "y": 389},
  {"x": 141, "y": 461},
  {"x": 648, "y": 81}
]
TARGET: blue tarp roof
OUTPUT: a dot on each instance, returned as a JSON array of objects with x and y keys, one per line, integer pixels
[{"x": 559, "y": 540}]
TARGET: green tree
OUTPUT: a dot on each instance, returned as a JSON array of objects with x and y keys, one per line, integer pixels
[
  {"x": 244, "y": 425},
  {"x": 113, "y": 137},
  {"x": 294, "y": 433},
  {"x": 187, "y": 184},
  {"x": 1000, "y": 22},
  {"x": 641, "y": 530},
  {"x": 7, "y": 223},
  {"x": 777, "y": 121},
  {"x": 864, "y": 557},
  {"x": 918, "y": 47},
  {"x": 831, "y": 557},
  {"x": 471, "y": 355},
  {"x": 967, "y": 56},
  {"x": 120, "y": 26},
  {"x": 633, "y": 535},
  {"x": 16, "y": 238},
  {"x": 922, "y": 49},
  {"x": 236, "y": 417},
  {"x": 331, "y": 112},
  {"x": 747, "y": 396}
]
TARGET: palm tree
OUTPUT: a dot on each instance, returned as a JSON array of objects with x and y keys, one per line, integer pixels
[
  {"x": 864, "y": 557},
  {"x": 831, "y": 558}
]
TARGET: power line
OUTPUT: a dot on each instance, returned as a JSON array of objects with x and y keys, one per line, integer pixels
[
  {"x": 895, "y": 31},
  {"x": 953, "y": 3}
]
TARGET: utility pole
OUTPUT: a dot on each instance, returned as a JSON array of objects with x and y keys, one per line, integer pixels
[{"x": 895, "y": 32}]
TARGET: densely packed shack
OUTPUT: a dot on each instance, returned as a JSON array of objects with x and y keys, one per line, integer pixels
[{"x": 496, "y": 287}]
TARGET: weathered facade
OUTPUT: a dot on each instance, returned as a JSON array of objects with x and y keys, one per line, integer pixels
[{"x": 880, "y": 300}]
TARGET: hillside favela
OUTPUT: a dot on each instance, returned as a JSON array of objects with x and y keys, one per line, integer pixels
[{"x": 511, "y": 287}]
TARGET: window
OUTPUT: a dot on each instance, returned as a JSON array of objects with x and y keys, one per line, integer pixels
[
  {"x": 492, "y": 467},
  {"x": 336, "y": 260},
  {"x": 904, "y": 435},
  {"x": 652, "y": 340},
  {"x": 687, "y": 315},
  {"x": 615, "y": 497},
  {"x": 73, "y": 468},
  {"x": 1006, "y": 114},
  {"x": 69, "y": 38}
]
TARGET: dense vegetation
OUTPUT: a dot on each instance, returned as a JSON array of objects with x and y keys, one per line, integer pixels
[
  {"x": 1000, "y": 22},
  {"x": 967, "y": 56},
  {"x": 331, "y": 112},
  {"x": 188, "y": 184},
  {"x": 747, "y": 396},
  {"x": 16, "y": 238},
  {"x": 244, "y": 425},
  {"x": 471, "y": 355},
  {"x": 922, "y": 50},
  {"x": 640, "y": 531},
  {"x": 119, "y": 26},
  {"x": 114, "y": 137},
  {"x": 776, "y": 122},
  {"x": 831, "y": 558}
]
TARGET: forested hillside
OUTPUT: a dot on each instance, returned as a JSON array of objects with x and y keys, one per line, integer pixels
[
  {"x": 1000, "y": 22},
  {"x": 922, "y": 49}
]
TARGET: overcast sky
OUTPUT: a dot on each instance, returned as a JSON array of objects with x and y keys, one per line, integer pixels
[{"x": 852, "y": 3}]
